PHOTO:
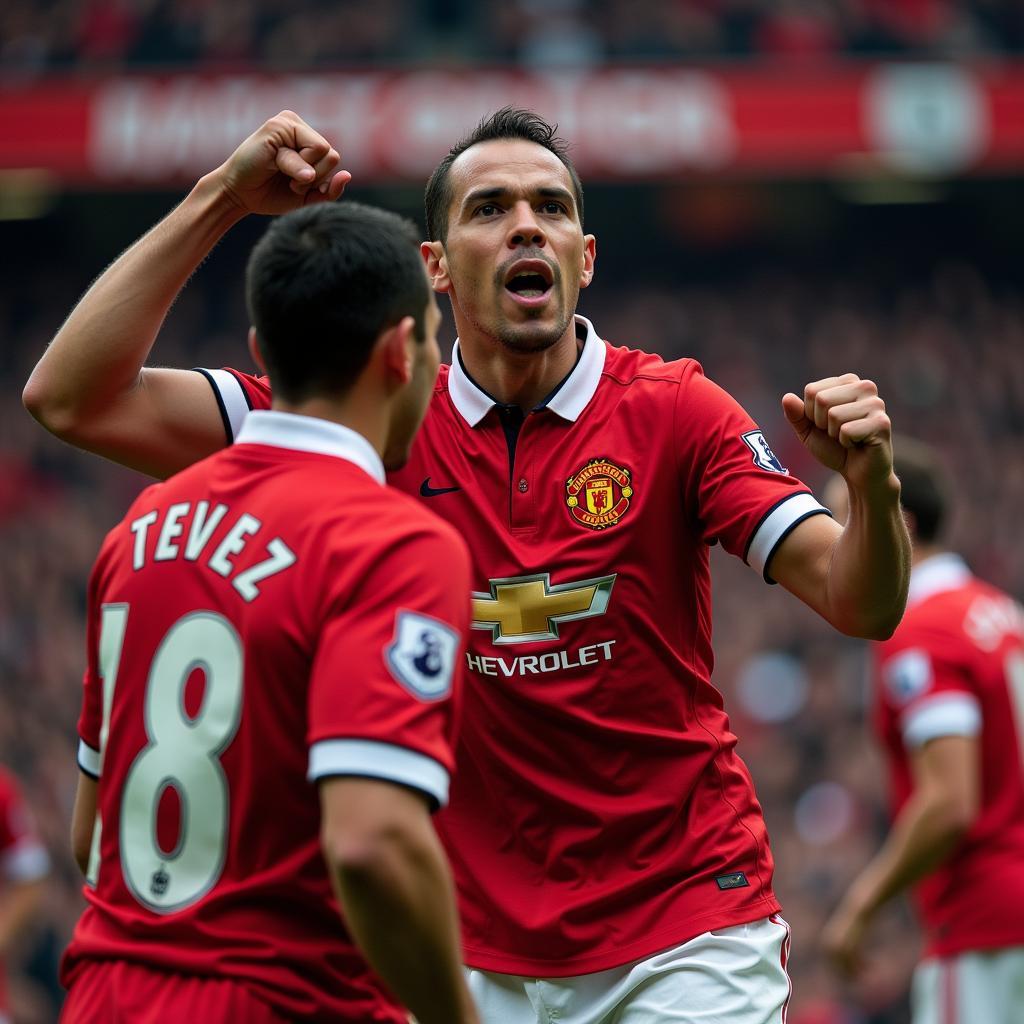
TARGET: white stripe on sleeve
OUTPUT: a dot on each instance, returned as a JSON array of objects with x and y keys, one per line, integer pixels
[
  {"x": 236, "y": 407},
  {"x": 88, "y": 759},
  {"x": 945, "y": 714},
  {"x": 382, "y": 761},
  {"x": 777, "y": 525}
]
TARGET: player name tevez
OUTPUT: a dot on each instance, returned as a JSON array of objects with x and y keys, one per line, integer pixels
[{"x": 172, "y": 543}]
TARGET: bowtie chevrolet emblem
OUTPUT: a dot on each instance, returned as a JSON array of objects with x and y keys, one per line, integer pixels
[{"x": 598, "y": 494}]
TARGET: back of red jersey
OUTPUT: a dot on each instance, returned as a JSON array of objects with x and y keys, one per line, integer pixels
[
  {"x": 955, "y": 666},
  {"x": 270, "y": 617}
]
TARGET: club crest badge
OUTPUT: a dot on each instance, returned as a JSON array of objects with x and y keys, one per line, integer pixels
[{"x": 598, "y": 495}]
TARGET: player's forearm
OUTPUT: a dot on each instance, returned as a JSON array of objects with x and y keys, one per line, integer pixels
[
  {"x": 20, "y": 904},
  {"x": 100, "y": 350},
  {"x": 399, "y": 904},
  {"x": 924, "y": 835},
  {"x": 869, "y": 572}
]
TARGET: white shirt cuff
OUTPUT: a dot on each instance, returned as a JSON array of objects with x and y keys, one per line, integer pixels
[
  {"x": 380, "y": 761},
  {"x": 88, "y": 759},
  {"x": 945, "y": 714},
  {"x": 777, "y": 525}
]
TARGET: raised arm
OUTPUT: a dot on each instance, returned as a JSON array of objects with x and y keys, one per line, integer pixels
[
  {"x": 90, "y": 387},
  {"x": 855, "y": 576}
]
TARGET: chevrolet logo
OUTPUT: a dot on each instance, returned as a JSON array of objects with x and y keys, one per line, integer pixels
[{"x": 521, "y": 609}]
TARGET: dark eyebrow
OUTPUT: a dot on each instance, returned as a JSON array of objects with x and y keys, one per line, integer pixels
[
  {"x": 554, "y": 192},
  {"x": 483, "y": 193},
  {"x": 546, "y": 191}
]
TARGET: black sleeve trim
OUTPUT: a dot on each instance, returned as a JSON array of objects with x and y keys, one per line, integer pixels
[
  {"x": 789, "y": 529},
  {"x": 228, "y": 432}
]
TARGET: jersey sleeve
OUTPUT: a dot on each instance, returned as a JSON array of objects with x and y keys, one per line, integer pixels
[
  {"x": 236, "y": 394},
  {"x": 926, "y": 689},
  {"x": 741, "y": 493},
  {"x": 90, "y": 719},
  {"x": 386, "y": 676},
  {"x": 22, "y": 857}
]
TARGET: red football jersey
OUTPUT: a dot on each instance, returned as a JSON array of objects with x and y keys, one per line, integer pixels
[
  {"x": 600, "y": 812},
  {"x": 22, "y": 857},
  {"x": 955, "y": 667},
  {"x": 271, "y": 616}
]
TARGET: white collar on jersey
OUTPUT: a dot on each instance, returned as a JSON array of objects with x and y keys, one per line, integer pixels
[
  {"x": 473, "y": 403},
  {"x": 936, "y": 574},
  {"x": 310, "y": 434}
]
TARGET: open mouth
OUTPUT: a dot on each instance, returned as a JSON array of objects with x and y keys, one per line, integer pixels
[{"x": 529, "y": 279}]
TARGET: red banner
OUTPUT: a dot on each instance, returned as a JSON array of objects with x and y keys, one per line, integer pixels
[{"x": 625, "y": 124}]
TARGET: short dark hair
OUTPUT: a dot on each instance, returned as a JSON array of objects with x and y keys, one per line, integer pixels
[
  {"x": 321, "y": 285},
  {"x": 507, "y": 123},
  {"x": 924, "y": 487}
]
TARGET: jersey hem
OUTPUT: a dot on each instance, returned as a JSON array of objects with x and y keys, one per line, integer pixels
[{"x": 651, "y": 944}]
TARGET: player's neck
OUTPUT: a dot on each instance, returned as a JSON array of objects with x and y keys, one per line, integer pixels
[
  {"x": 364, "y": 417},
  {"x": 514, "y": 378}
]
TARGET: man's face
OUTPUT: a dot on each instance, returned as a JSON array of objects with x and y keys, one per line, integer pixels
[
  {"x": 516, "y": 256},
  {"x": 412, "y": 407}
]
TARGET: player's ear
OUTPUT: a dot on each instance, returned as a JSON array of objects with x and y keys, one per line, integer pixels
[
  {"x": 589, "y": 258},
  {"x": 396, "y": 348},
  {"x": 254, "y": 351},
  {"x": 437, "y": 265}
]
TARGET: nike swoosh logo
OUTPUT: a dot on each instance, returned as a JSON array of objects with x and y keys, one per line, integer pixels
[{"x": 432, "y": 492}]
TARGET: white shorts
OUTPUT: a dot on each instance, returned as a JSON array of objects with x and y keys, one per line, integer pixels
[
  {"x": 972, "y": 988},
  {"x": 736, "y": 974}
]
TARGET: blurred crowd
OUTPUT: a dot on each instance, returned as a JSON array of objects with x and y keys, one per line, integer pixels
[
  {"x": 946, "y": 353},
  {"x": 113, "y": 35}
]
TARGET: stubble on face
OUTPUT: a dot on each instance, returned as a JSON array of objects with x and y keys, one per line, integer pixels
[
  {"x": 533, "y": 335},
  {"x": 536, "y": 333}
]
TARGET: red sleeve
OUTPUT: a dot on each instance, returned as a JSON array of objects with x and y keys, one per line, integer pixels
[
  {"x": 90, "y": 719},
  {"x": 105, "y": 627},
  {"x": 742, "y": 494},
  {"x": 386, "y": 676},
  {"x": 12, "y": 823},
  {"x": 926, "y": 687},
  {"x": 22, "y": 857}
]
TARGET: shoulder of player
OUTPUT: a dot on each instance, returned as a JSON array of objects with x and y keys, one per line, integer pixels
[
  {"x": 935, "y": 624},
  {"x": 441, "y": 384},
  {"x": 648, "y": 374},
  {"x": 627, "y": 365},
  {"x": 385, "y": 517}
]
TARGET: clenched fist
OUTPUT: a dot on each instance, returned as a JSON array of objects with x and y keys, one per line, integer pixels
[{"x": 283, "y": 165}]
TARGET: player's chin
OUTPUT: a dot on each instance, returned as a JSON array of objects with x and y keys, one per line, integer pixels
[{"x": 537, "y": 334}]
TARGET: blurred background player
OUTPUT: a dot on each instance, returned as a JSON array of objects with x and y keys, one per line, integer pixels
[
  {"x": 568, "y": 577},
  {"x": 949, "y": 713},
  {"x": 274, "y": 649},
  {"x": 24, "y": 865}
]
